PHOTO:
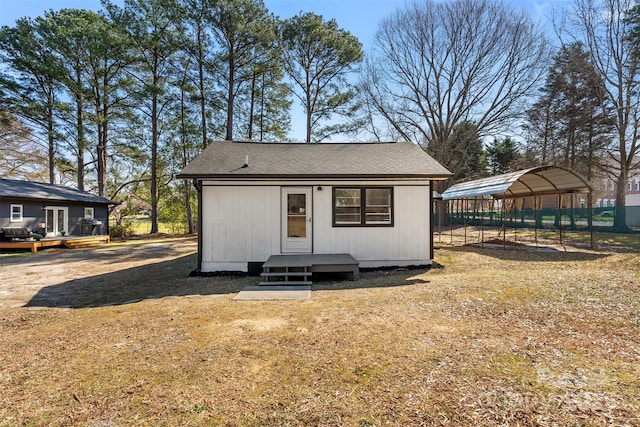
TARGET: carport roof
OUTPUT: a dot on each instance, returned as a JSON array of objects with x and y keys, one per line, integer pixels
[{"x": 538, "y": 181}]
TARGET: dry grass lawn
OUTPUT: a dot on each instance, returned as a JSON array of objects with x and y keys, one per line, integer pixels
[{"x": 495, "y": 337}]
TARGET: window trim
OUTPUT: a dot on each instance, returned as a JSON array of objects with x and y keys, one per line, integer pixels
[
  {"x": 11, "y": 218},
  {"x": 363, "y": 206},
  {"x": 93, "y": 212}
]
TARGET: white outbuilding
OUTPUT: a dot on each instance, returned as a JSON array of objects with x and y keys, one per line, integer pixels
[{"x": 372, "y": 201}]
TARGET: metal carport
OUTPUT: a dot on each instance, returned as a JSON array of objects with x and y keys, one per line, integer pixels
[{"x": 533, "y": 182}]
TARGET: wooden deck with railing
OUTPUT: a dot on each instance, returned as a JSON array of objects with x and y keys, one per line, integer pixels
[{"x": 72, "y": 242}]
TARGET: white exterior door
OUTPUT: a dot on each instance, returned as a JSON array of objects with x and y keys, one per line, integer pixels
[
  {"x": 57, "y": 220},
  {"x": 297, "y": 220}
]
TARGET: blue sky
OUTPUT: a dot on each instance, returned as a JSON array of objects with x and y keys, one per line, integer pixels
[{"x": 360, "y": 17}]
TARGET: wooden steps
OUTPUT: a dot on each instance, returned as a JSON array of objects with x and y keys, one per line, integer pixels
[
  {"x": 279, "y": 276},
  {"x": 297, "y": 269},
  {"x": 85, "y": 242}
]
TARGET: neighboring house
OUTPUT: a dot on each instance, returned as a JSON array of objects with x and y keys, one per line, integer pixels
[
  {"x": 605, "y": 198},
  {"x": 606, "y": 192},
  {"x": 52, "y": 209},
  {"x": 372, "y": 201}
]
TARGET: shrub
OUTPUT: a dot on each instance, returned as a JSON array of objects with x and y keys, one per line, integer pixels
[{"x": 122, "y": 229}]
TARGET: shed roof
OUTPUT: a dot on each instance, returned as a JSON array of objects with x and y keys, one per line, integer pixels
[
  {"x": 41, "y": 191},
  {"x": 538, "y": 181},
  {"x": 226, "y": 159}
]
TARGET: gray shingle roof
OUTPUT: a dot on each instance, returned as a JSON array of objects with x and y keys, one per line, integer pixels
[
  {"x": 273, "y": 160},
  {"x": 42, "y": 191}
]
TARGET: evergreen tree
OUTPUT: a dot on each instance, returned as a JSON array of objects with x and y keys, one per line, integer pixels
[
  {"x": 582, "y": 124},
  {"x": 245, "y": 35},
  {"x": 150, "y": 27},
  {"x": 502, "y": 156},
  {"x": 31, "y": 87},
  {"x": 318, "y": 56}
]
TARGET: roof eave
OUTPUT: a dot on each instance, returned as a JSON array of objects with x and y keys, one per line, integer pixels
[{"x": 441, "y": 176}]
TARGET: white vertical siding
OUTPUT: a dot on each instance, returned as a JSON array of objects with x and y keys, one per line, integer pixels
[
  {"x": 239, "y": 224},
  {"x": 406, "y": 243}
]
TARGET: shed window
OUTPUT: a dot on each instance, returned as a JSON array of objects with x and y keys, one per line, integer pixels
[
  {"x": 16, "y": 213},
  {"x": 363, "y": 206},
  {"x": 88, "y": 213}
]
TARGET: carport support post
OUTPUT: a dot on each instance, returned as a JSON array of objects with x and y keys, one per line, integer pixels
[
  {"x": 482, "y": 221},
  {"x": 504, "y": 221},
  {"x": 466, "y": 212},
  {"x": 535, "y": 220},
  {"x": 451, "y": 221},
  {"x": 515, "y": 220},
  {"x": 589, "y": 200},
  {"x": 560, "y": 217}
]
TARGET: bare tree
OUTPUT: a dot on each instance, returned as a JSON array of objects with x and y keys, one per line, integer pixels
[
  {"x": 20, "y": 157},
  {"x": 602, "y": 27},
  {"x": 436, "y": 65}
]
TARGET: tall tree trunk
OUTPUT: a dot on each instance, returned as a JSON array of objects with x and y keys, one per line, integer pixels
[
  {"x": 252, "y": 104},
  {"x": 620, "y": 220},
  {"x": 81, "y": 143},
  {"x": 308, "y": 108},
  {"x": 154, "y": 154},
  {"x": 102, "y": 107},
  {"x": 230, "y": 97},
  {"x": 52, "y": 148},
  {"x": 201, "y": 89},
  {"x": 189, "y": 208}
]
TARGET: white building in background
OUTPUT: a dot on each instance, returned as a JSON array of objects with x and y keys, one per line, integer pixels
[{"x": 372, "y": 201}]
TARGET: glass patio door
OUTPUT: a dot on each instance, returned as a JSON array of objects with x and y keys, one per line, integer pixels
[{"x": 56, "y": 220}]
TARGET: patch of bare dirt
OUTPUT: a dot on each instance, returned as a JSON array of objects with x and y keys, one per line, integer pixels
[{"x": 26, "y": 276}]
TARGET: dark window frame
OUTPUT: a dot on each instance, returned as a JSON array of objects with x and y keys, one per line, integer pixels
[{"x": 363, "y": 206}]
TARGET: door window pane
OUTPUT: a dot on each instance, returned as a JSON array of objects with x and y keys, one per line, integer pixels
[
  {"x": 296, "y": 215},
  {"x": 61, "y": 220},
  {"x": 49, "y": 220}
]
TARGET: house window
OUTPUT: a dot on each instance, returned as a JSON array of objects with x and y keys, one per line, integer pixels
[
  {"x": 360, "y": 206},
  {"x": 637, "y": 184},
  {"x": 629, "y": 188},
  {"x": 88, "y": 213},
  {"x": 16, "y": 213}
]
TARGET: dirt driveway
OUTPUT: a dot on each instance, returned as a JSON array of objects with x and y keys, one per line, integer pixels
[{"x": 47, "y": 278}]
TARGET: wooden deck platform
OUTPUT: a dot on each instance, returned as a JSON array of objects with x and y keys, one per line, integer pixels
[
  {"x": 297, "y": 269},
  {"x": 72, "y": 242}
]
